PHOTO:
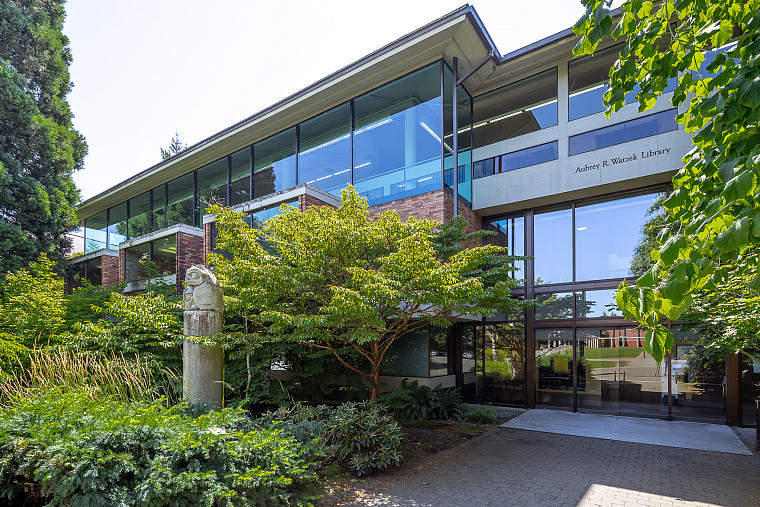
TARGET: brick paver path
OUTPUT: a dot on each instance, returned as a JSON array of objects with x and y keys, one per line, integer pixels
[{"x": 525, "y": 468}]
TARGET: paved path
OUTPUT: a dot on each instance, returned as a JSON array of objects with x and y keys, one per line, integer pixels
[{"x": 512, "y": 467}]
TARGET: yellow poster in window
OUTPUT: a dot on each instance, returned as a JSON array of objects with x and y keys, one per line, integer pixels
[{"x": 562, "y": 365}]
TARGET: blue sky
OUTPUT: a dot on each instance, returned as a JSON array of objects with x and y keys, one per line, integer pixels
[{"x": 144, "y": 69}]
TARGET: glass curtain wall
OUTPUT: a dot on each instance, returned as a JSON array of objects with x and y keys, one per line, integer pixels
[
  {"x": 510, "y": 233},
  {"x": 324, "y": 159},
  {"x": 699, "y": 388},
  {"x": 274, "y": 163},
  {"x": 139, "y": 215},
  {"x": 96, "y": 232},
  {"x": 464, "y": 137},
  {"x": 180, "y": 206},
  {"x": 397, "y": 137},
  {"x": 502, "y": 364},
  {"x": 240, "y": 176},
  {"x": 158, "y": 208},
  {"x": 212, "y": 187},
  {"x": 516, "y": 109},
  {"x": 554, "y": 367},
  {"x": 117, "y": 224}
]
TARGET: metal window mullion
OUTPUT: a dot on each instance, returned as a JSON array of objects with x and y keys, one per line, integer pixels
[
  {"x": 166, "y": 205},
  {"x": 129, "y": 212},
  {"x": 298, "y": 149},
  {"x": 455, "y": 138},
  {"x": 351, "y": 135},
  {"x": 108, "y": 224},
  {"x": 443, "y": 125}
]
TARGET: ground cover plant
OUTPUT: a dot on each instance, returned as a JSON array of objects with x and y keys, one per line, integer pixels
[{"x": 413, "y": 402}]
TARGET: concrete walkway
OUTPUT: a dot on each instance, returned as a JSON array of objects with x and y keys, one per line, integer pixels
[
  {"x": 516, "y": 467},
  {"x": 687, "y": 435}
]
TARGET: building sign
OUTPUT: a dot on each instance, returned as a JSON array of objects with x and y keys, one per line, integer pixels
[{"x": 625, "y": 159}]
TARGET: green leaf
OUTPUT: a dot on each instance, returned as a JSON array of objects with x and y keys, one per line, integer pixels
[
  {"x": 675, "y": 247},
  {"x": 723, "y": 34},
  {"x": 734, "y": 237},
  {"x": 627, "y": 299},
  {"x": 657, "y": 340},
  {"x": 739, "y": 186},
  {"x": 650, "y": 278},
  {"x": 646, "y": 301},
  {"x": 749, "y": 93}
]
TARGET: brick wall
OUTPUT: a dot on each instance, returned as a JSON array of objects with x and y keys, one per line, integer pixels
[
  {"x": 190, "y": 251},
  {"x": 306, "y": 201},
  {"x": 111, "y": 271},
  {"x": 206, "y": 240},
  {"x": 475, "y": 220},
  {"x": 429, "y": 205}
]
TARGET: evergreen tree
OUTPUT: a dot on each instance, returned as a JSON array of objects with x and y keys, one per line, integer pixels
[
  {"x": 176, "y": 147},
  {"x": 39, "y": 147}
]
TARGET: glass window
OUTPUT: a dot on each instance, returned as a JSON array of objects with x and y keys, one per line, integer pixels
[
  {"x": 324, "y": 160},
  {"x": 139, "y": 215},
  {"x": 165, "y": 254},
  {"x": 529, "y": 156},
  {"x": 510, "y": 233},
  {"x": 516, "y": 109},
  {"x": 74, "y": 276},
  {"x": 631, "y": 130},
  {"x": 553, "y": 243},
  {"x": 240, "y": 188},
  {"x": 117, "y": 224},
  {"x": 554, "y": 306},
  {"x": 212, "y": 187},
  {"x": 95, "y": 271},
  {"x": 606, "y": 236},
  {"x": 596, "y": 303},
  {"x": 274, "y": 163},
  {"x": 483, "y": 168},
  {"x": 133, "y": 270},
  {"x": 441, "y": 352},
  {"x": 587, "y": 81},
  {"x": 180, "y": 201},
  {"x": 257, "y": 218},
  {"x": 397, "y": 137},
  {"x": 502, "y": 379},
  {"x": 464, "y": 126},
  {"x": 698, "y": 390},
  {"x": 158, "y": 220},
  {"x": 554, "y": 367},
  {"x": 408, "y": 356},
  {"x": 95, "y": 232}
]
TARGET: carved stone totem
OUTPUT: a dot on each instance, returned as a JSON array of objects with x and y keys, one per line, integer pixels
[{"x": 203, "y": 366}]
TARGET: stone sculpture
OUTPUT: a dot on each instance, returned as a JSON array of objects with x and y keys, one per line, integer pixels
[
  {"x": 203, "y": 366},
  {"x": 203, "y": 291}
]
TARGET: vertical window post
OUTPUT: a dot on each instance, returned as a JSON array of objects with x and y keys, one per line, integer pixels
[{"x": 454, "y": 142}]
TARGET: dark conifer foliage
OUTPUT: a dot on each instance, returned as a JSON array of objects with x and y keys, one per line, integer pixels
[{"x": 39, "y": 147}]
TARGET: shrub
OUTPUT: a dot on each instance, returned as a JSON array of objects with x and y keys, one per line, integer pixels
[
  {"x": 361, "y": 437},
  {"x": 76, "y": 451},
  {"x": 413, "y": 402},
  {"x": 482, "y": 415}
]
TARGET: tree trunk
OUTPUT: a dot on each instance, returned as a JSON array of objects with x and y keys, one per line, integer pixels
[{"x": 375, "y": 354}]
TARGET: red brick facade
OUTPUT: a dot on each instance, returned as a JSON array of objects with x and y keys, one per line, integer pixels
[
  {"x": 429, "y": 205},
  {"x": 306, "y": 201},
  {"x": 111, "y": 270},
  {"x": 190, "y": 251}
]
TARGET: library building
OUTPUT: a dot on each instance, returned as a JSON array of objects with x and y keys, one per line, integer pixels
[{"x": 536, "y": 162}]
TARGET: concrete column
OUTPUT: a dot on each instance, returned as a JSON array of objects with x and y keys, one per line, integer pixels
[{"x": 203, "y": 366}]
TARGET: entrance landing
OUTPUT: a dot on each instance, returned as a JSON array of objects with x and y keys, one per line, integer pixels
[{"x": 686, "y": 435}]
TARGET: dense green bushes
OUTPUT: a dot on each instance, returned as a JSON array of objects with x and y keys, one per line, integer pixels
[
  {"x": 361, "y": 437},
  {"x": 68, "y": 449},
  {"x": 413, "y": 402}
]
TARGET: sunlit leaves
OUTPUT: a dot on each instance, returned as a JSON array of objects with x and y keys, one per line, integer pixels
[{"x": 713, "y": 209}]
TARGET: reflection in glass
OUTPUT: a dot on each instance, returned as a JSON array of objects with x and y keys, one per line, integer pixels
[
  {"x": 467, "y": 344},
  {"x": 158, "y": 220},
  {"x": 117, "y": 224},
  {"x": 553, "y": 242},
  {"x": 325, "y": 157},
  {"x": 596, "y": 303},
  {"x": 274, "y": 163},
  {"x": 624, "y": 132},
  {"x": 95, "y": 232},
  {"x": 408, "y": 356},
  {"x": 133, "y": 269},
  {"x": 397, "y": 137},
  {"x": 75, "y": 273},
  {"x": 587, "y": 81},
  {"x": 750, "y": 386},
  {"x": 510, "y": 233},
  {"x": 606, "y": 235},
  {"x": 554, "y": 367},
  {"x": 502, "y": 378},
  {"x": 483, "y": 168},
  {"x": 257, "y": 218},
  {"x": 529, "y": 156},
  {"x": 699, "y": 388},
  {"x": 598, "y": 365},
  {"x": 139, "y": 215},
  {"x": 441, "y": 352},
  {"x": 95, "y": 271},
  {"x": 165, "y": 255},
  {"x": 212, "y": 187},
  {"x": 554, "y": 306},
  {"x": 516, "y": 109},
  {"x": 180, "y": 201},
  {"x": 240, "y": 176}
]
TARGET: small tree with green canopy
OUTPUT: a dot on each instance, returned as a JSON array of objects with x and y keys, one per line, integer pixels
[
  {"x": 714, "y": 209},
  {"x": 335, "y": 278}
]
